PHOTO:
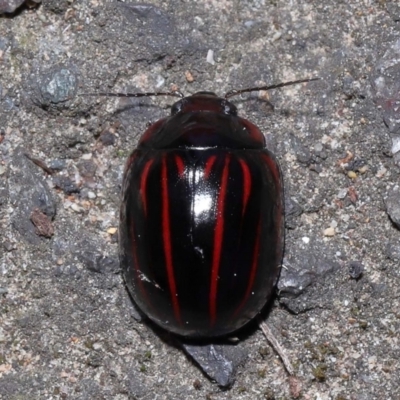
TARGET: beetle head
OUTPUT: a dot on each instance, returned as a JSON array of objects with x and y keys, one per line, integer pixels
[{"x": 204, "y": 101}]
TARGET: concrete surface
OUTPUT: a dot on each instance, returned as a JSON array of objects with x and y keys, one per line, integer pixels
[{"x": 67, "y": 326}]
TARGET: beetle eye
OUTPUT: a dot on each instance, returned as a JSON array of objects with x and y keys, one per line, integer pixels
[
  {"x": 177, "y": 107},
  {"x": 229, "y": 108}
]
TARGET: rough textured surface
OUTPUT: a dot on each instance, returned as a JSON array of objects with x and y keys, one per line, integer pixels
[
  {"x": 218, "y": 361},
  {"x": 67, "y": 327}
]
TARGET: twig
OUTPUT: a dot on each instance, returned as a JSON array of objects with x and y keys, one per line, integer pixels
[{"x": 277, "y": 347}]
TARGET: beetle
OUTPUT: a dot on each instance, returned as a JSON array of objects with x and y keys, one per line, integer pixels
[{"x": 202, "y": 217}]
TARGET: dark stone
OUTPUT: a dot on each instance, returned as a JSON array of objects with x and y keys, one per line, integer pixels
[
  {"x": 91, "y": 260},
  {"x": 355, "y": 164},
  {"x": 135, "y": 384},
  {"x": 109, "y": 265},
  {"x": 393, "y": 8},
  {"x": 107, "y": 138},
  {"x": 348, "y": 86},
  {"x": 52, "y": 89},
  {"x": 87, "y": 168},
  {"x": 28, "y": 191},
  {"x": 58, "y": 85},
  {"x": 96, "y": 262},
  {"x": 57, "y": 165},
  {"x": 218, "y": 361},
  {"x": 293, "y": 210},
  {"x": 9, "y": 6},
  {"x": 95, "y": 359},
  {"x": 306, "y": 277},
  {"x": 65, "y": 184},
  {"x": 356, "y": 269},
  {"x": 302, "y": 269},
  {"x": 302, "y": 153},
  {"x": 386, "y": 84},
  {"x": 393, "y": 251},
  {"x": 70, "y": 271},
  {"x": 392, "y": 203},
  {"x": 4, "y": 43},
  {"x": 8, "y": 246},
  {"x": 56, "y": 6}
]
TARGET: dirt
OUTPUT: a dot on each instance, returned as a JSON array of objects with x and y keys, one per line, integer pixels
[{"x": 68, "y": 328}]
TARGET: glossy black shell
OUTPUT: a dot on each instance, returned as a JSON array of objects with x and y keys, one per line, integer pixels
[{"x": 201, "y": 226}]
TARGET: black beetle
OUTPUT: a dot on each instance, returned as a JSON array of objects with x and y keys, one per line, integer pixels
[{"x": 201, "y": 220}]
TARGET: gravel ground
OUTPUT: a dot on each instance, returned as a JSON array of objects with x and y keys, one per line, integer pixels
[{"x": 67, "y": 325}]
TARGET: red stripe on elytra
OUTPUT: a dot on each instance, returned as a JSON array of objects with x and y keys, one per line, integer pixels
[
  {"x": 218, "y": 236},
  {"x": 180, "y": 165},
  {"x": 209, "y": 164},
  {"x": 143, "y": 184},
  {"x": 253, "y": 270},
  {"x": 246, "y": 184},
  {"x": 166, "y": 232}
]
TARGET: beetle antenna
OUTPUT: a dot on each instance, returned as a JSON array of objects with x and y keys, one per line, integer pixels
[
  {"x": 234, "y": 92},
  {"x": 146, "y": 94}
]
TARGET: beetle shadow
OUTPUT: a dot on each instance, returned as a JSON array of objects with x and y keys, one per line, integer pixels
[{"x": 219, "y": 358}]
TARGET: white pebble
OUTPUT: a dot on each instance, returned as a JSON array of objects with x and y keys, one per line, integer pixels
[{"x": 210, "y": 57}]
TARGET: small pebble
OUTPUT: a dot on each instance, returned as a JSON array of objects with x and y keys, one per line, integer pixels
[
  {"x": 189, "y": 76},
  {"x": 342, "y": 194},
  {"x": 76, "y": 208},
  {"x": 318, "y": 147},
  {"x": 276, "y": 36},
  {"x": 160, "y": 81},
  {"x": 395, "y": 144},
  {"x": 65, "y": 184},
  {"x": 352, "y": 175},
  {"x": 112, "y": 231},
  {"x": 329, "y": 232},
  {"x": 57, "y": 165},
  {"x": 210, "y": 57},
  {"x": 107, "y": 138},
  {"x": 356, "y": 269},
  {"x": 381, "y": 172}
]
